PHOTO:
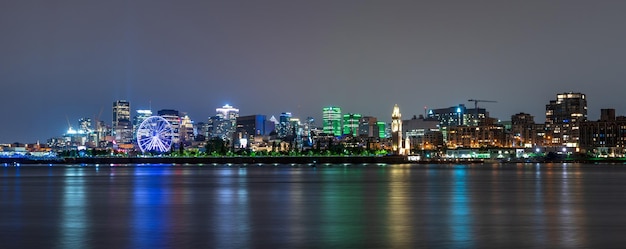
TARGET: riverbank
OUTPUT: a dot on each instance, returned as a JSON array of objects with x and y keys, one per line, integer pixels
[
  {"x": 312, "y": 160},
  {"x": 231, "y": 160}
]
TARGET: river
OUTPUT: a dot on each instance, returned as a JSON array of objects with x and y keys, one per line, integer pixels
[{"x": 328, "y": 206}]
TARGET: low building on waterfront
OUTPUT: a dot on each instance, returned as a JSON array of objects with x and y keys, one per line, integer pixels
[{"x": 605, "y": 137}]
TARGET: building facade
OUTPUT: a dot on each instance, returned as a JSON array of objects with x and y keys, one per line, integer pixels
[
  {"x": 525, "y": 133},
  {"x": 563, "y": 119},
  {"x": 173, "y": 117},
  {"x": 351, "y": 124},
  {"x": 224, "y": 123},
  {"x": 605, "y": 137},
  {"x": 331, "y": 117},
  {"x": 458, "y": 115},
  {"x": 368, "y": 127},
  {"x": 121, "y": 126}
]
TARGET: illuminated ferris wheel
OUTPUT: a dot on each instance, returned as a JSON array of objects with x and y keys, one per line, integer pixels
[{"x": 154, "y": 135}]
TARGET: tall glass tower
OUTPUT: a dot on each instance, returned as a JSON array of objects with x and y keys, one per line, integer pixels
[
  {"x": 331, "y": 117},
  {"x": 122, "y": 127}
]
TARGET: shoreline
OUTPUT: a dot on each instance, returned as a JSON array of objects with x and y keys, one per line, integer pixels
[{"x": 312, "y": 160}]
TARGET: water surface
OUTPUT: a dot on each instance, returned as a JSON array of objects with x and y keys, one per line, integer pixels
[{"x": 329, "y": 206}]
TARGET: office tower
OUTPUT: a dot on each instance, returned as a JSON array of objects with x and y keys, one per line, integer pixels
[
  {"x": 122, "y": 127},
  {"x": 351, "y": 124},
  {"x": 331, "y": 117},
  {"x": 368, "y": 127},
  {"x": 458, "y": 115},
  {"x": 251, "y": 126},
  {"x": 564, "y": 117},
  {"x": 186, "y": 129},
  {"x": 382, "y": 129},
  {"x": 84, "y": 125},
  {"x": 139, "y": 117},
  {"x": 173, "y": 117},
  {"x": 284, "y": 125},
  {"x": 224, "y": 123}
]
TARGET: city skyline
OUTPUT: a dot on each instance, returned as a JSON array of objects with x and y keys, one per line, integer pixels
[{"x": 64, "y": 61}]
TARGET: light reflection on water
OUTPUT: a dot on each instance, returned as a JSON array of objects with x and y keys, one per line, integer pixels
[{"x": 335, "y": 206}]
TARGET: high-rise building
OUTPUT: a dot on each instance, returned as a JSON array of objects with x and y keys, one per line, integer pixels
[
  {"x": 351, "y": 124},
  {"x": 458, "y": 115},
  {"x": 284, "y": 125},
  {"x": 224, "y": 123},
  {"x": 382, "y": 129},
  {"x": 121, "y": 125},
  {"x": 173, "y": 117},
  {"x": 252, "y": 125},
  {"x": 187, "y": 129},
  {"x": 201, "y": 131},
  {"x": 227, "y": 112},
  {"x": 525, "y": 132},
  {"x": 564, "y": 117},
  {"x": 331, "y": 117},
  {"x": 139, "y": 117},
  {"x": 368, "y": 127},
  {"x": 84, "y": 125}
]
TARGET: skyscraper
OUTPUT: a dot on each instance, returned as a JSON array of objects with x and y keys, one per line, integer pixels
[
  {"x": 173, "y": 117},
  {"x": 331, "y": 117},
  {"x": 224, "y": 123},
  {"x": 121, "y": 125},
  {"x": 284, "y": 125},
  {"x": 351, "y": 124},
  {"x": 368, "y": 127},
  {"x": 564, "y": 117}
]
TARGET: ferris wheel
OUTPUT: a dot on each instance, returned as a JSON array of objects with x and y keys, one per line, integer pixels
[{"x": 154, "y": 134}]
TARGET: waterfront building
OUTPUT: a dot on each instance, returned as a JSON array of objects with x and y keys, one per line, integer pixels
[
  {"x": 605, "y": 137},
  {"x": 173, "y": 117},
  {"x": 351, "y": 124},
  {"x": 121, "y": 125},
  {"x": 416, "y": 128},
  {"x": 458, "y": 115},
  {"x": 525, "y": 133},
  {"x": 397, "y": 144},
  {"x": 564, "y": 117},
  {"x": 488, "y": 135},
  {"x": 331, "y": 117}
]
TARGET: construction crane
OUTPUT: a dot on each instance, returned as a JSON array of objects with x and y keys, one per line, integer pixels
[{"x": 476, "y": 106}]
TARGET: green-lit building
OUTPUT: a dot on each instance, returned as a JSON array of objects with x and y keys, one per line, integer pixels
[
  {"x": 382, "y": 128},
  {"x": 351, "y": 124},
  {"x": 331, "y": 117}
]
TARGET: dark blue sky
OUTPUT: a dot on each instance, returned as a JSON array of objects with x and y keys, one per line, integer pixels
[{"x": 64, "y": 60}]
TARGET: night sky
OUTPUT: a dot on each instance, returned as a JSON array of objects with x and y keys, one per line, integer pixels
[{"x": 63, "y": 60}]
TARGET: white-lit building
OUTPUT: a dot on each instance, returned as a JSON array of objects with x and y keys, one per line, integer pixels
[
  {"x": 172, "y": 116},
  {"x": 121, "y": 125},
  {"x": 224, "y": 123}
]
